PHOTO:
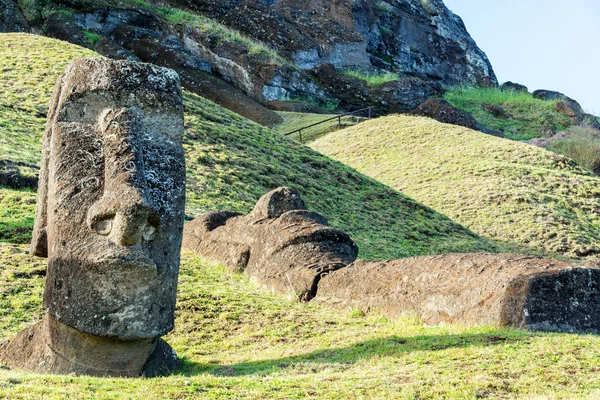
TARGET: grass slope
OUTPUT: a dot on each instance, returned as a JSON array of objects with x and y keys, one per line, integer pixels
[
  {"x": 296, "y": 120},
  {"x": 238, "y": 341},
  {"x": 528, "y": 117},
  {"x": 506, "y": 191},
  {"x": 231, "y": 162}
]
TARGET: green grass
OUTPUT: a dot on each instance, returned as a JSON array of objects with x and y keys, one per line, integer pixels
[
  {"x": 17, "y": 212},
  {"x": 214, "y": 29},
  {"x": 529, "y": 117},
  {"x": 296, "y": 120},
  {"x": 239, "y": 341},
  {"x": 232, "y": 162},
  {"x": 372, "y": 78},
  {"x": 92, "y": 38},
  {"x": 505, "y": 191},
  {"x": 582, "y": 145}
]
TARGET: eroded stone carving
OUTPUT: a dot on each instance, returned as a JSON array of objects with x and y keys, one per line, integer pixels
[
  {"x": 318, "y": 263},
  {"x": 280, "y": 243},
  {"x": 110, "y": 220}
]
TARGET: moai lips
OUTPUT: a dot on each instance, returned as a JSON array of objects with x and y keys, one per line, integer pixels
[
  {"x": 111, "y": 205},
  {"x": 280, "y": 244}
]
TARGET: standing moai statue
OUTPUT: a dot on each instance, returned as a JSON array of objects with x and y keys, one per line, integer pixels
[{"x": 110, "y": 216}]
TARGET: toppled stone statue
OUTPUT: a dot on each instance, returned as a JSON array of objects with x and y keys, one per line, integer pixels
[
  {"x": 109, "y": 218},
  {"x": 287, "y": 248},
  {"x": 280, "y": 243}
]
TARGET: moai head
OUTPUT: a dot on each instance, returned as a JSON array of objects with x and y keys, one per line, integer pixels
[
  {"x": 111, "y": 199},
  {"x": 280, "y": 243}
]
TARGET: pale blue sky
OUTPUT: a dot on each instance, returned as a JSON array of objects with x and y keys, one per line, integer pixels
[{"x": 543, "y": 44}]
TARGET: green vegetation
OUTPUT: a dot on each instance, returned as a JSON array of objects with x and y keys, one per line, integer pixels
[
  {"x": 373, "y": 78},
  {"x": 505, "y": 191},
  {"x": 238, "y": 341},
  {"x": 383, "y": 6},
  {"x": 17, "y": 212},
  {"x": 582, "y": 145},
  {"x": 296, "y": 120},
  {"x": 231, "y": 162},
  {"x": 92, "y": 38},
  {"x": 213, "y": 28},
  {"x": 528, "y": 117},
  {"x": 29, "y": 66}
]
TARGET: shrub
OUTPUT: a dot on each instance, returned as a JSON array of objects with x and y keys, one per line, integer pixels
[
  {"x": 375, "y": 78},
  {"x": 581, "y": 145}
]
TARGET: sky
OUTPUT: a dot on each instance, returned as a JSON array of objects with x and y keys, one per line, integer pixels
[{"x": 542, "y": 44}]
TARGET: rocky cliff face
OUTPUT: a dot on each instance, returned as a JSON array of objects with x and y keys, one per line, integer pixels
[
  {"x": 313, "y": 41},
  {"x": 418, "y": 37}
]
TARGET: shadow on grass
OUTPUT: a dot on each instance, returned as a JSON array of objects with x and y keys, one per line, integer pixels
[{"x": 392, "y": 346}]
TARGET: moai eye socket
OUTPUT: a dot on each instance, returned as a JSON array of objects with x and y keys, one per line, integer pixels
[
  {"x": 103, "y": 227},
  {"x": 148, "y": 232}
]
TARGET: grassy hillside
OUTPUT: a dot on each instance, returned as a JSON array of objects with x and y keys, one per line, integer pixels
[
  {"x": 238, "y": 341},
  {"x": 526, "y": 117},
  {"x": 505, "y": 191},
  {"x": 231, "y": 162},
  {"x": 296, "y": 120}
]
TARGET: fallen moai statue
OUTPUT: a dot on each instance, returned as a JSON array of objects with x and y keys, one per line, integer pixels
[
  {"x": 109, "y": 218},
  {"x": 498, "y": 289},
  {"x": 280, "y": 243}
]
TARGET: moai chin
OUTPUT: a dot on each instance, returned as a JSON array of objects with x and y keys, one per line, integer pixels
[{"x": 110, "y": 216}]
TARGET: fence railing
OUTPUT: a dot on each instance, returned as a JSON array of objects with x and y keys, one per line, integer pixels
[{"x": 367, "y": 110}]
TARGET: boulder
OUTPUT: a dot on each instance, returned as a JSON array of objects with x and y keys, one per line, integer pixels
[
  {"x": 441, "y": 110},
  {"x": 63, "y": 27},
  {"x": 109, "y": 219},
  {"x": 11, "y": 18},
  {"x": 492, "y": 289},
  {"x": 568, "y": 103},
  {"x": 496, "y": 111},
  {"x": 515, "y": 87},
  {"x": 403, "y": 95}
]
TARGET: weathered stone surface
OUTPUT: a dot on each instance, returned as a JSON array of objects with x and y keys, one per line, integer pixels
[
  {"x": 567, "y": 110},
  {"x": 280, "y": 244},
  {"x": 496, "y": 111},
  {"x": 11, "y": 18},
  {"x": 54, "y": 348},
  {"x": 292, "y": 251},
  {"x": 515, "y": 87},
  {"x": 498, "y": 289},
  {"x": 110, "y": 210},
  {"x": 441, "y": 110},
  {"x": 401, "y": 95},
  {"x": 62, "y": 26},
  {"x": 422, "y": 38}
]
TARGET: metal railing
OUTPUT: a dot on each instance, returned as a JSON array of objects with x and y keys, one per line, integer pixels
[{"x": 338, "y": 117}]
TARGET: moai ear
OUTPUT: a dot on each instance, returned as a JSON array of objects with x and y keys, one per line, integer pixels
[{"x": 39, "y": 240}]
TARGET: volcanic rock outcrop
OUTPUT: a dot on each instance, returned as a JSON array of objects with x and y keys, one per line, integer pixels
[
  {"x": 421, "y": 41},
  {"x": 291, "y": 250},
  {"x": 109, "y": 219}
]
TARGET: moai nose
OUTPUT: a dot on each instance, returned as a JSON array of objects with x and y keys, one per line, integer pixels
[
  {"x": 123, "y": 213},
  {"x": 135, "y": 221},
  {"x": 125, "y": 217}
]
